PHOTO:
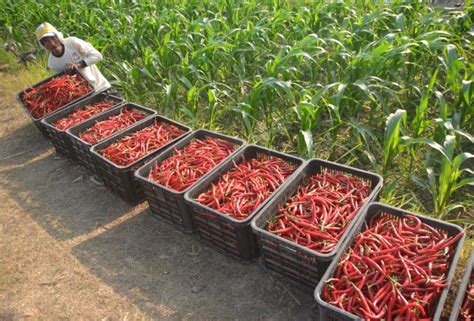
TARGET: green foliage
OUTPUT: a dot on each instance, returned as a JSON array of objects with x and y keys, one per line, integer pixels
[
  {"x": 317, "y": 78},
  {"x": 450, "y": 175},
  {"x": 392, "y": 138},
  {"x": 7, "y": 60}
]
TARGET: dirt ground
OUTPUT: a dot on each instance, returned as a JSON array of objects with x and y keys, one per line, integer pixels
[{"x": 71, "y": 249}]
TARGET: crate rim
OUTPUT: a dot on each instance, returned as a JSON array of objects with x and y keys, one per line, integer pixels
[
  {"x": 145, "y": 168},
  {"x": 110, "y": 140},
  {"x": 462, "y": 288},
  {"x": 225, "y": 217},
  {"x": 370, "y": 197},
  {"x": 117, "y": 107},
  {"x": 59, "y": 74},
  {"x": 47, "y": 120},
  {"x": 348, "y": 242}
]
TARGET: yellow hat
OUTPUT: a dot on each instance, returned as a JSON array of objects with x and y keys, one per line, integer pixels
[{"x": 45, "y": 30}]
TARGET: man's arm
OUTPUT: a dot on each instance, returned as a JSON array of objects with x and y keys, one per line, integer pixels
[{"x": 89, "y": 55}]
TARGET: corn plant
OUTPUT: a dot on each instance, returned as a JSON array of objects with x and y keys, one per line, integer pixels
[
  {"x": 367, "y": 140},
  {"x": 308, "y": 111},
  {"x": 289, "y": 58},
  {"x": 449, "y": 177},
  {"x": 248, "y": 114},
  {"x": 213, "y": 103},
  {"x": 392, "y": 139},
  {"x": 453, "y": 66},
  {"x": 465, "y": 104},
  {"x": 420, "y": 121},
  {"x": 264, "y": 95}
]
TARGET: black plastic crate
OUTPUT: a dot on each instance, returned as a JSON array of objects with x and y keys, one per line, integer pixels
[
  {"x": 82, "y": 148},
  {"x": 300, "y": 265},
  {"x": 227, "y": 234},
  {"x": 166, "y": 203},
  {"x": 121, "y": 179},
  {"x": 59, "y": 138},
  {"x": 37, "y": 121},
  {"x": 331, "y": 313},
  {"x": 462, "y": 289}
]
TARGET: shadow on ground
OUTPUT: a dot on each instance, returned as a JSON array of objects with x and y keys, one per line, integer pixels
[
  {"x": 173, "y": 276},
  {"x": 72, "y": 204},
  {"x": 21, "y": 144}
]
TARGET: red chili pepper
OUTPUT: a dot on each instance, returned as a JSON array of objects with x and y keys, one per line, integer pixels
[
  {"x": 323, "y": 207},
  {"x": 467, "y": 307},
  {"x": 55, "y": 93},
  {"x": 105, "y": 128},
  {"x": 246, "y": 186},
  {"x": 406, "y": 261},
  {"x": 190, "y": 163},
  {"x": 81, "y": 115},
  {"x": 141, "y": 143}
]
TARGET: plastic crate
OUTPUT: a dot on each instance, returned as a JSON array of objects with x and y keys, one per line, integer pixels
[
  {"x": 59, "y": 138},
  {"x": 331, "y": 313},
  {"x": 82, "y": 148},
  {"x": 166, "y": 203},
  {"x": 300, "y": 265},
  {"x": 462, "y": 289},
  {"x": 121, "y": 179},
  {"x": 228, "y": 235},
  {"x": 37, "y": 121}
]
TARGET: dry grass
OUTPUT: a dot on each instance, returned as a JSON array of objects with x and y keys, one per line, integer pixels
[{"x": 16, "y": 77}]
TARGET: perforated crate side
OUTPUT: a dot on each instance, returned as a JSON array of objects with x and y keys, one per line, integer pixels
[
  {"x": 83, "y": 155},
  {"x": 42, "y": 129},
  {"x": 229, "y": 238},
  {"x": 120, "y": 181},
  {"x": 300, "y": 268},
  {"x": 56, "y": 138},
  {"x": 168, "y": 206}
]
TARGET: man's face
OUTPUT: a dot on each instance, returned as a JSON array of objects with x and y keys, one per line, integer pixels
[{"x": 53, "y": 45}]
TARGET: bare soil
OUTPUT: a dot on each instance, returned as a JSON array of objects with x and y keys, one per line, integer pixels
[{"x": 71, "y": 249}]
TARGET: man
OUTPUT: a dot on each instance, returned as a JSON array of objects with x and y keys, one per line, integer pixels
[{"x": 67, "y": 54}]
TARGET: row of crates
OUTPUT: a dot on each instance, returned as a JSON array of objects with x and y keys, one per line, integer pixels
[{"x": 245, "y": 239}]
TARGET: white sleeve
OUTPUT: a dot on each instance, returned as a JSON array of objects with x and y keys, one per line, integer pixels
[{"x": 87, "y": 52}]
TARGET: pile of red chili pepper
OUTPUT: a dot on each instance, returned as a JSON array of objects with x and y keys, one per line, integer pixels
[
  {"x": 247, "y": 185},
  {"x": 318, "y": 214},
  {"x": 190, "y": 163},
  {"x": 111, "y": 125},
  {"x": 55, "y": 93},
  {"x": 467, "y": 308},
  {"x": 142, "y": 142},
  {"x": 81, "y": 115},
  {"x": 395, "y": 270}
]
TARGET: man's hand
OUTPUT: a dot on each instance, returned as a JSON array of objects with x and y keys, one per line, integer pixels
[{"x": 71, "y": 67}]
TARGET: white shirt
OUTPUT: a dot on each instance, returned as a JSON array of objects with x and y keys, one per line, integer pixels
[{"x": 75, "y": 50}]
